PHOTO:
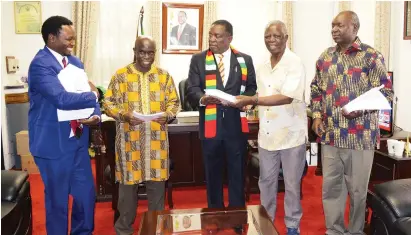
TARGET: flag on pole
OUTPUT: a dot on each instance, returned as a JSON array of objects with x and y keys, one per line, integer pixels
[{"x": 140, "y": 23}]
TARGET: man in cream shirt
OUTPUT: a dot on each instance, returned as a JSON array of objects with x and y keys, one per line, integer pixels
[{"x": 283, "y": 125}]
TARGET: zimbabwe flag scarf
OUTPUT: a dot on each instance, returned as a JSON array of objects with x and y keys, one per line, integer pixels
[{"x": 210, "y": 126}]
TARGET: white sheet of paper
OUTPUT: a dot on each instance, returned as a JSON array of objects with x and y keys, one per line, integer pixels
[
  {"x": 370, "y": 100},
  {"x": 147, "y": 117},
  {"x": 74, "y": 79},
  {"x": 221, "y": 95}
]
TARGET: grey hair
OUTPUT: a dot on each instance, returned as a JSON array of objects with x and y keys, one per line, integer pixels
[
  {"x": 354, "y": 18},
  {"x": 280, "y": 23}
]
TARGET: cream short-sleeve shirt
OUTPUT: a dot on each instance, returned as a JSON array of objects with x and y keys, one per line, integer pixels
[{"x": 284, "y": 126}]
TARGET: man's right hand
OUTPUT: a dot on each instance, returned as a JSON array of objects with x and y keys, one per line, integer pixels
[
  {"x": 318, "y": 127},
  {"x": 129, "y": 117},
  {"x": 94, "y": 88},
  {"x": 205, "y": 100}
]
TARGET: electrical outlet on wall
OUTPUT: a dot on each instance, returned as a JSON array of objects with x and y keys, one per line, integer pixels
[{"x": 11, "y": 64}]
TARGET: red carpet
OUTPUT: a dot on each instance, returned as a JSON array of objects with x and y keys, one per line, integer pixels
[{"x": 312, "y": 222}]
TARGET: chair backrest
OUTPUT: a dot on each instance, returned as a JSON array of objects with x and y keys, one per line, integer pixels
[{"x": 185, "y": 105}]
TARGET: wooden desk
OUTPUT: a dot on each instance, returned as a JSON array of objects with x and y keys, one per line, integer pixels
[
  {"x": 212, "y": 220},
  {"x": 185, "y": 152}
]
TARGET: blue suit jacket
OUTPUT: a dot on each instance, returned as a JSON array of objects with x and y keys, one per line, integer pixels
[{"x": 49, "y": 138}]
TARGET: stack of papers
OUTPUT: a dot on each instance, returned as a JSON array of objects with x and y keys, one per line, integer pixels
[
  {"x": 188, "y": 117},
  {"x": 370, "y": 100},
  {"x": 221, "y": 95},
  {"x": 147, "y": 117},
  {"x": 74, "y": 79}
]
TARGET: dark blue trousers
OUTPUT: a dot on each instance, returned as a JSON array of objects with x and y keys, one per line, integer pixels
[
  {"x": 215, "y": 152},
  {"x": 68, "y": 174}
]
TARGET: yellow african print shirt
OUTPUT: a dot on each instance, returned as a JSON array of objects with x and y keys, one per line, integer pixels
[{"x": 141, "y": 150}]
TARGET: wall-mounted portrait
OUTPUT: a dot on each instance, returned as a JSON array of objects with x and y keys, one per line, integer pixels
[{"x": 182, "y": 28}]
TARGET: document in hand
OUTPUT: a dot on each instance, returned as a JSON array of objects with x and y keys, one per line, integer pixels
[
  {"x": 221, "y": 95},
  {"x": 75, "y": 80},
  {"x": 147, "y": 117},
  {"x": 370, "y": 100}
]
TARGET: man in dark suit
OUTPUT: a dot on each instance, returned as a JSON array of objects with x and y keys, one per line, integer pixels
[
  {"x": 183, "y": 34},
  {"x": 60, "y": 149},
  {"x": 223, "y": 129}
]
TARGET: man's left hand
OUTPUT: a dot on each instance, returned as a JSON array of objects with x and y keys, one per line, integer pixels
[
  {"x": 94, "y": 120},
  {"x": 353, "y": 114},
  {"x": 162, "y": 120}
]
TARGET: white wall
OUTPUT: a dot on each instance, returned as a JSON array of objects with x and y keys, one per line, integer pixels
[
  {"x": 401, "y": 66},
  {"x": 313, "y": 36},
  {"x": 23, "y": 47}
]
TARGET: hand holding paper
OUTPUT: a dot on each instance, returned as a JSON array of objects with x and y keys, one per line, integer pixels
[
  {"x": 74, "y": 79},
  {"x": 221, "y": 95},
  {"x": 370, "y": 100},
  {"x": 147, "y": 117}
]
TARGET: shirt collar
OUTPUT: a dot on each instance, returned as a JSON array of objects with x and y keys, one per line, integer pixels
[
  {"x": 153, "y": 69},
  {"x": 282, "y": 60},
  {"x": 58, "y": 56},
  {"x": 355, "y": 46},
  {"x": 225, "y": 54}
]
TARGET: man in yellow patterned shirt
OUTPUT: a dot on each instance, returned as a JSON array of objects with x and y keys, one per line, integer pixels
[{"x": 141, "y": 147}]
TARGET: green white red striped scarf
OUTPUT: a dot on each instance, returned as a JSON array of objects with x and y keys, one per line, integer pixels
[{"x": 210, "y": 125}]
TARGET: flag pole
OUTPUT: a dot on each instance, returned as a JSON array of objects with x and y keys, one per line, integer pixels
[{"x": 140, "y": 25}]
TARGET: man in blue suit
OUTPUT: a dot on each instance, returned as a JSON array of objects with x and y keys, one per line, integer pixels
[{"x": 63, "y": 161}]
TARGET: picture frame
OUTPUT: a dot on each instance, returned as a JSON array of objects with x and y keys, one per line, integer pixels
[
  {"x": 407, "y": 20},
  {"x": 182, "y": 28},
  {"x": 27, "y": 17}
]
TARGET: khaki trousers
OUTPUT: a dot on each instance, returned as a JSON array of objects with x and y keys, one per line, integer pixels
[{"x": 345, "y": 170}]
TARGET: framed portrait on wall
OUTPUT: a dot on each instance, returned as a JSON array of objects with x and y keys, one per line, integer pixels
[
  {"x": 182, "y": 28},
  {"x": 407, "y": 20}
]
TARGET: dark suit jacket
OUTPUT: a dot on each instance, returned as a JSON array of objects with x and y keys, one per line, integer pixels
[
  {"x": 230, "y": 125},
  {"x": 187, "y": 37},
  {"x": 49, "y": 138}
]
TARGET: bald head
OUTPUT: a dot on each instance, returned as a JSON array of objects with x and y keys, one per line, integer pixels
[
  {"x": 352, "y": 17},
  {"x": 141, "y": 39},
  {"x": 144, "y": 52},
  {"x": 345, "y": 27}
]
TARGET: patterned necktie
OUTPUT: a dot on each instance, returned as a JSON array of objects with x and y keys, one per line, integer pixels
[
  {"x": 221, "y": 67},
  {"x": 75, "y": 125},
  {"x": 179, "y": 32}
]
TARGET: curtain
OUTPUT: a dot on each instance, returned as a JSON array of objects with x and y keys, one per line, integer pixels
[
  {"x": 85, "y": 16},
  {"x": 210, "y": 15},
  {"x": 344, "y": 6},
  {"x": 382, "y": 29},
  {"x": 287, "y": 14},
  {"x": 154, "y": 30},
  {"x": 115, "y": 38}
]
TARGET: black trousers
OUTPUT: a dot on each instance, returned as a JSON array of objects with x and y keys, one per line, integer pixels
[{"x": 234, "y": 151}]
